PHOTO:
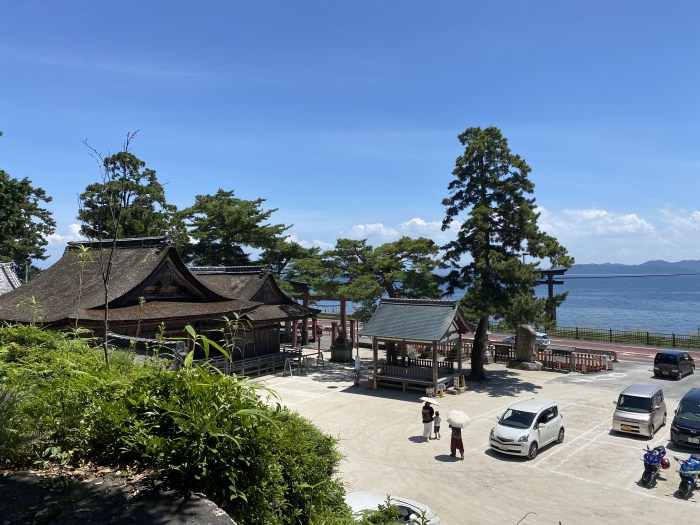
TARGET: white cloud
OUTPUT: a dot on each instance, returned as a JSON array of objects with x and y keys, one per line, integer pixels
[
  {"x": 594, "y": 222},
  {"x": 594, "y": 235},
  {"x": 416, "y": 227},
  {"x": 681, "y": 223},
  {"x": 60, "y": 239},
  {"x": 373, "y": 231},
  {"x": 292, "y": 237}
]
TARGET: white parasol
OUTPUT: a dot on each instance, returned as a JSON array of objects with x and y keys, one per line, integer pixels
[
  {"x": 458, "y": 419},
  {"x": 430, "y": 400}
]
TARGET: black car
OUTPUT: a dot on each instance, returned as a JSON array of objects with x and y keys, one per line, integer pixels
[
  {"x": 685, "y": 429},
  {"x": 673, "y": 363}
]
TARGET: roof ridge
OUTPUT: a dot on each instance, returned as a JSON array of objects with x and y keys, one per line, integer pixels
[
  {"x": 230, "y": 270},
  {"x": 407, "y": 300},
  {"x": 125, "y": 242}
]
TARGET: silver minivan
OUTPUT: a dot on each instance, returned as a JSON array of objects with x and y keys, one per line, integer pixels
[{"x": 640, "y": 410}]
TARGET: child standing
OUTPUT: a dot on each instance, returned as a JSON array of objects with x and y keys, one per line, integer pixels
[{"x": 436, "y": 425}]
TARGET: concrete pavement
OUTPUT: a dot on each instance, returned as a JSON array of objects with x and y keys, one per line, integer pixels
[{"x": 593, "y": 477}]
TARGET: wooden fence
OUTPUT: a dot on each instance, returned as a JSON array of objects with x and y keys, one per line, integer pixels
[{"x": 565, "y": 360}]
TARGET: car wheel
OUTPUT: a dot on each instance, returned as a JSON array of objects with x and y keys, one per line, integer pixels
[
  {"x": 652, "y": 431},
  {"x": 560, "y": 437},
  {"x": 680, "y": 375},
  {"x": 663, "y": 423},
  {"x": 532, "y": 453}
]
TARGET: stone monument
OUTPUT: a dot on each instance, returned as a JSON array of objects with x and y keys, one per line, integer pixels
[
  {"x": 525, "y": 344},
  {"x": 341, "y": 349}
]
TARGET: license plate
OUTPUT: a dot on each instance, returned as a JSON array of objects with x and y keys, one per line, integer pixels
[
  {"x": 695, "y": 441},
  {"x": 625, "y": 427},
  {"x": 665, "y": 373}
]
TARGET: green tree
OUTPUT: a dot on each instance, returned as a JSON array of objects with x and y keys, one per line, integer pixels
[
  {"x": 491, "y": 188},
  {"x": 24, "y": 224},
  {"x": 222, "y": 227},
  {"x": 132, "y": 189},
  {"x": 283, "y": 253},
  {"x": 359, "y": 272},
  {"x": 121, "y": 206}
]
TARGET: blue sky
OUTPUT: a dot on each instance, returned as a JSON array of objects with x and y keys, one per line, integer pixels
[{"x": 345, "y": 115}]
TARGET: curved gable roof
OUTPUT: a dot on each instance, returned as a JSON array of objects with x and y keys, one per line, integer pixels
[
  {"x": 141, "y": 266},
  {"x": 415, "y": 320},
  {"x": 251, "y": 283}
]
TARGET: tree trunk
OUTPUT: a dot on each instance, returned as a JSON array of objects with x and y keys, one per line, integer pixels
[{"x": 481, "y": 341}]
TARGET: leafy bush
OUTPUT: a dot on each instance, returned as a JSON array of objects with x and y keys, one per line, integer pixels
[
  {"x": 10, "y": 434},
  {"x": 199, "y": 430}
]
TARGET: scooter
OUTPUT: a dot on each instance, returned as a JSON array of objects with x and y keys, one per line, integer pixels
[
  {"x": 690, "y": 468},
  {"x": 654, "y": 461}
]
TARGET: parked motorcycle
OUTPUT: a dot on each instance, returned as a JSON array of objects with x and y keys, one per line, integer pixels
[
  {"x": 690, "y": 468},
  {"x": 654, "y": 460}
]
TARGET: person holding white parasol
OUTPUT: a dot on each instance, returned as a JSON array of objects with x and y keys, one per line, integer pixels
[{"x": 457, "y": 421}]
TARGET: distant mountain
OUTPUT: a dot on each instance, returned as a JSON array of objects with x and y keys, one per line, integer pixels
[{"x": 647, "y": 268}]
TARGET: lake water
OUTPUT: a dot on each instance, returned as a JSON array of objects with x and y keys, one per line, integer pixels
[{"x": 668, "y": 304}]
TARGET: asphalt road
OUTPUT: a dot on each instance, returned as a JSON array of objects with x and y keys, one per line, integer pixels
[{"x": 593, "y": 477}]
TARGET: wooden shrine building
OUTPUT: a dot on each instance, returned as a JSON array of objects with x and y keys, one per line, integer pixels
[
  {"x": 423, "y": 339},
  {"x": 152, "y": 292}
]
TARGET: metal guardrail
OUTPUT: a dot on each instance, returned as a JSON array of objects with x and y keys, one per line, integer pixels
[{"x": 636, "y": 337}]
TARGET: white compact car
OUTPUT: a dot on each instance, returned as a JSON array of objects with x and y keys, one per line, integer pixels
[
  {"x": 527, "y": 426},
  {"x": 409, "y": 510},
  {"x": 541, "y": 340}
]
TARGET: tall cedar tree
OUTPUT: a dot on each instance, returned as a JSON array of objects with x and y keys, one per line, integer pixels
[
  {"x": 135, "y": 190},
  {"x": 222, "y": 227},
  {"x": 491, "y": 188},
  {"x": 358, "y": 272},
  {"x": 24, "y": 224}
]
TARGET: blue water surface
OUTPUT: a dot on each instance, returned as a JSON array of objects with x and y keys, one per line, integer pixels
[{"x": 668, "y": 304}]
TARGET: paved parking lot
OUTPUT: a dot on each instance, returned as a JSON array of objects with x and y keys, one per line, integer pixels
[{"x": 593, "y": 477}]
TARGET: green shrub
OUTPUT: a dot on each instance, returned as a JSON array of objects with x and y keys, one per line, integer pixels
[
  {"x": 10, "y": 429},
  {"x": 199, "y": 430}
]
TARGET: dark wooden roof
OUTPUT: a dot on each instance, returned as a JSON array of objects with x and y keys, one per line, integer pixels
[
  {"x": 143, "y": 267},
  {"x": 253, "y": 283},
  {"x": 416, "y": 320},
  {"x": 8, "y": 278},
  {"x": 150, "y": 268}
]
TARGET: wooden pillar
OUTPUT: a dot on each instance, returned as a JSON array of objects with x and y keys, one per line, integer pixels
[
  {"x": 435, "y": 367},
  {"x": 343, "y": 316},
  {"x": 294, "y": 334},
  {"x": 305, "y": 321},
  {"x": 288, "y": 329},
  {"x": 352, "y": 332},
  {"x": 375, "y": 358},
  {"x": 334, "y": 331},
  {"x": 459, "y": 357}
]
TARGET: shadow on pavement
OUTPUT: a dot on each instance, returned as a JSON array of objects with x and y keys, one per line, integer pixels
[
  {"x": 502, "y": 383},
  {"x": 508, "y": 458},
  {"x": 446, "y": 458}
]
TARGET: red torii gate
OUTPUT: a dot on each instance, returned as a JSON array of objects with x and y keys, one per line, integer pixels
[
  {"x": 550, "y": 282},
  {"x": 302, "y": 288}
]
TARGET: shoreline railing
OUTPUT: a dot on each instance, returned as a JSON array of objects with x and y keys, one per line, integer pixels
[{"x": 631, "y": 337}]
